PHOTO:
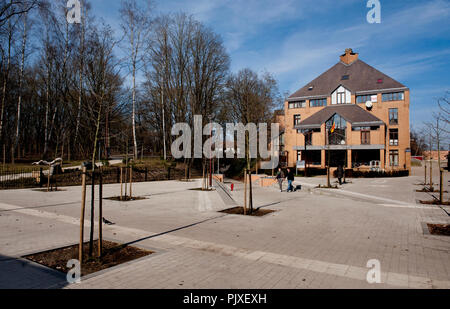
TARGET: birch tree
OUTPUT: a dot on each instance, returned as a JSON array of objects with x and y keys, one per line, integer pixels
[{"x": 136, "y": 25}]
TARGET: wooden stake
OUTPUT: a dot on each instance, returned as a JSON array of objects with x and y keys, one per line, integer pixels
[
  {"x": 131, "y": 182},
  {"x": 126, "y": 181},
  {"x": 245, "y": 191},
  {"x": 425, "y": 182},
  {"x": 121, "y": 183},
  {"x": 4, "y": 156},
  {"x": 251, "y": 192},
  {"x": 441, "y": 184},
  {"x": 100, "y": 214},
  {"x": 431, "y": 176},
  {"x": 83, "y": 207},
  {"x": 48, "y": 179},
  {"x": 91, "y": 236}
]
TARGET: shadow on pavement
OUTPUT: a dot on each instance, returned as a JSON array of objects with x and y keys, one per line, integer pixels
[{"x": 22, "y": 274}]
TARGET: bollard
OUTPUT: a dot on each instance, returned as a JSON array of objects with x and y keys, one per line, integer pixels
[{"x": 232, "y": 187}]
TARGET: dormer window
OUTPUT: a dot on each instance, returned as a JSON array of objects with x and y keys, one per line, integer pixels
[
  {"x": 311, "y": 88},
  {"x": 345, "y": 77}
]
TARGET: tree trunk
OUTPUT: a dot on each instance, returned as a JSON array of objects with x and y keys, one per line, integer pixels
[{"x": 19, "y": 102}]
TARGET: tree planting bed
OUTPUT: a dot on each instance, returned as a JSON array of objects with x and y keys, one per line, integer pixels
[
  {"x": 113, "y": 254},
  {"x": 240, "y": 211}
]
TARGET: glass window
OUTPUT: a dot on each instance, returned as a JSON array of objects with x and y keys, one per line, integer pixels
[
  {"x": 393, "y": 96},
  {"x": 393, "y": 116},
  {"x": 393, "y": 158},
  {"x": 341, "y": 98},
  {"x": 365, "y": 137},
  {"x": 336, "y": 128},
  {"x": 393, "y": 137},
  {"x": 297, "y": 104},
  {"x": 360, "y": 99},
  {"x": 297, "y": 119},
  {"x": 318, "y": 102}
]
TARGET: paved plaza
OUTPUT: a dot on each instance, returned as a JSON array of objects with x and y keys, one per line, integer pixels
[{"x": 317, "y": 238}]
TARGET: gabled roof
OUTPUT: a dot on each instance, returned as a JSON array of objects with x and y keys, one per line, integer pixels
[
  {"x": 350, "y": 112},
  {"x": 361, "y": 77}
]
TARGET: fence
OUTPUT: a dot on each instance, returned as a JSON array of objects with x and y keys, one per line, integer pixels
[{"x": 38, "y": 177}]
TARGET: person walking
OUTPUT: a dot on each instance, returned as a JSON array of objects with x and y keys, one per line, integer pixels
[
  {"x": 280, "y": 178},
  {"x": 340, "y": 174},
  {"x": 290, "y": 179}
]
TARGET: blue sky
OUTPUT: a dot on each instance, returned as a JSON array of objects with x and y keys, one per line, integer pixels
[{"x": 297, "y": 40}]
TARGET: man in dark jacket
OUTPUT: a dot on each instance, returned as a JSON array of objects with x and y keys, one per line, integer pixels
[
  {"x": 340, "y": 174},
  {"x": 290, "y": 178},
  {"x": 280, "y": 178}
]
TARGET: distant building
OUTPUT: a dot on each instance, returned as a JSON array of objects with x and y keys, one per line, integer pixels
[
  {"x": 354, "y": 113},
  {"x": 434, "y": 155}
]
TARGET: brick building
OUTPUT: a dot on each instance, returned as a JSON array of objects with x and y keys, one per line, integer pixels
[{"x": 352, "y": 115}]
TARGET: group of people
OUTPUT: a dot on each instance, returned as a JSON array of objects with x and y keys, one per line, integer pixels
[{"x": 290, "y": 178}]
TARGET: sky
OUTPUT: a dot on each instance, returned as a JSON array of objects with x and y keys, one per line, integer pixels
[{"x": 297, "y": 40}]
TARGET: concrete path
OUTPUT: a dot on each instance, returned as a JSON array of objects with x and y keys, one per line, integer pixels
[{"x": 315, "y": 239}]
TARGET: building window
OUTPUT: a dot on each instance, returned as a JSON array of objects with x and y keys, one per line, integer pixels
[
  {"x": 297, "y": 104},
  {"x": 365, "y": 137},
  {"x": 393, "y": 116},
  {"x": 318, "y": 102},
  {"x": 341, "y": 98},
  {"x": 345, "y": 77},
  {"x": 360, "y": 99},
  {"x": 393, "y": 96},
  {"x": 393, "y": 158},
  {"x": 393, "y": 137},
  {"x": 297, "y": 119},
  {"x": 338, "y": 135},
  {"x": 308, "y": 138}
]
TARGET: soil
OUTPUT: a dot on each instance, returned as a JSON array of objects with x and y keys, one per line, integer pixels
[
  {"x": 435, "y": 202},
  {"x": 126, "y": 198},
  {"x": 113, "y": 254},
  {"x": 326, "y": 187},
  {"x": 240, "y": 211},
  {"x": 439, "y": 229}
]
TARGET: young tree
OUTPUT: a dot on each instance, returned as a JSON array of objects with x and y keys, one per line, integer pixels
[{"x": 136, "y": 26}]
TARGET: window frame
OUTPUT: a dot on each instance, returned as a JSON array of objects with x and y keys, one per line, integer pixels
[
  {"x": 393, "y": 96},
  {"x": 297, "y": 104},
  {"x": 393, "y": 121},
  {"x": 365, "y": 137},
  {"x": 340, "y": 98},
  {"x": 323, "y": 102},
  {"x": 393, "y": 137},
  {"x": 394, "y": 158},
  {"x": 297, "y": 119}
]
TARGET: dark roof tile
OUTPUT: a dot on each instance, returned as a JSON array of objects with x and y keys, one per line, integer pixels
[{"x": 361, "y": 77}]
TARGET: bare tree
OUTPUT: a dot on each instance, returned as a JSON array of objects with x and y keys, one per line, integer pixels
[
  {"x": 24, "y": 17},
  {"x": 11, "y": 8},
  {"x": 136, "y": 26}
]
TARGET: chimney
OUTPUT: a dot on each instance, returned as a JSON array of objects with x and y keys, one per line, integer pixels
[{"x": 349, "y": 57}]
